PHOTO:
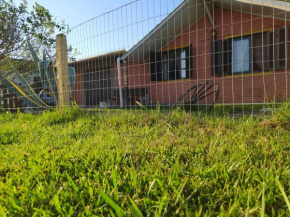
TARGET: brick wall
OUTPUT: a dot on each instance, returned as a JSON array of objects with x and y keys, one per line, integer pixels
[
  {"x": 259, "y": 88},
  {"x": 77, "y": 94}
]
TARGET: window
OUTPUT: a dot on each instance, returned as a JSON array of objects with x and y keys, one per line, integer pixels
[
  {"x": 255, "y": 53},
  {"x": 1, "y": 93},
  {"x": 170, "y": 65},
  {"x": 241, "y": 55},
  {"x": 260, "y": 56}
]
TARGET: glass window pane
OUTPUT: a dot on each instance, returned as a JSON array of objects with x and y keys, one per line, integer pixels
[
  {"x": 183, "y": 64},
  {"x": 241, "y": 55},
  {"x": 164, "y": 56},
  {"x": 259, "y": 52},
  {"x": 172, "y": 54},
  {"x": 227, "y": 57},
  {"x": 183, "y": 54},
  {"x": 183, "y": 73},
  {"x": 271, "y": 50},
  {"x": 172, "y": 66},
  {"x": 282, "y": 48},
  {"x": 165, "y": 71}
]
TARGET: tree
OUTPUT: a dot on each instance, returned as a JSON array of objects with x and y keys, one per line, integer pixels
[{"x": 18, "y": 25}]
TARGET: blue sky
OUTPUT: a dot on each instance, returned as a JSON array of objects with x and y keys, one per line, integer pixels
[
  {"x": 75, "y": 12},
  {"x": 119, "y": 29}
]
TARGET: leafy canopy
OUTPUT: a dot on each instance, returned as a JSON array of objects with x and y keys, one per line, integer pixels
[{"x": 19, "y": 25}]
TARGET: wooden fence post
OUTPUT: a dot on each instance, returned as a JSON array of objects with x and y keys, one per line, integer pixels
[{"x": 62, "y": 71}]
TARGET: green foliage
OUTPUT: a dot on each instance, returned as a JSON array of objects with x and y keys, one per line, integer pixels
[
  {"x": 19, "y": 25},
  {"x": 151, "y": 163},
  {"x": 29, "y": 94}
]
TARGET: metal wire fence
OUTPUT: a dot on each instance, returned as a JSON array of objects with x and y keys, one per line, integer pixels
[{"x": 197, "y": 55}]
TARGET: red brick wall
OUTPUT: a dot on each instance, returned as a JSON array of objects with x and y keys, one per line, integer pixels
[
  {"x": 77, "y": 94},
  {"x": 233, "y": 89}
]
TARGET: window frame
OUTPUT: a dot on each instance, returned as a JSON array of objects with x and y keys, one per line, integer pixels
[{"x": 226, "y": 68}]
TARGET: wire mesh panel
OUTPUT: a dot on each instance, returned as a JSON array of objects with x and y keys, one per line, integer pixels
[
  {"x": 159, "y": 50},
  {"x": 211, "y": 55}
]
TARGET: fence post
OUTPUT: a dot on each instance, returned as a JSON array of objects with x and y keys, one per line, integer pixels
[{"x": 62, "y": 71}]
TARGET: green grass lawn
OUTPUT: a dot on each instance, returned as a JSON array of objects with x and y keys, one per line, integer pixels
[{"x": 144, "y": 163}]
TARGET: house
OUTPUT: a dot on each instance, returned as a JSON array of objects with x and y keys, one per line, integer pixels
[
  {"x": 242, "y": 45},
  {"x": 95, "y": 82}
]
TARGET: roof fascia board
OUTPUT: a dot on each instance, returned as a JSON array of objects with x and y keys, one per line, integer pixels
[
  {"x": 257, "y": 14},
  {"x": 268, "y": 3},
  {"x": 114, "y": 54},
  {"x": 260, "y": 3}
]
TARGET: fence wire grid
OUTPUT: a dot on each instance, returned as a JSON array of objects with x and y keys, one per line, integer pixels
[{"x": 199, "y": 55}]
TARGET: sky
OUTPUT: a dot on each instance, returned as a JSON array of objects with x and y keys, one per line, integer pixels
[
  {"x": 102, "y": 26},
  {"x": 75, "y": 12}
]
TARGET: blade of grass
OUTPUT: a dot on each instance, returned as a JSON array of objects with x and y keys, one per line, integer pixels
[
  {"x": 253, "y": 209},
  {"x": 43, "y": 212},
  {"x": 115, "y": 184},
  {"x": 179, "y": 193},
  {"x": 151, "y": 185},
  {"x": 134, "y": 209},
  {"x": 2, "y": 212},
  {"x": 283, "y": 193},
  {"x": 56, "y": 203},
  {"x": 141, "y": 105},
  {"x": 12, "y": 203},
  {"x": 117, "y": 209},
  {"x": 160, "y": 208},
  {"x": 73, "y": 184},
  {"x": 263, "y": 201},
  {"x": 112, "y": 214}
]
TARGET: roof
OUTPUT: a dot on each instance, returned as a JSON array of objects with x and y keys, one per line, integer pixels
[
  {"x": 98, "y": 62},
  {"x": 114, "y": 54},
  {"x": 181, "y": 18},
  {"x": 269, "y": 3}
]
